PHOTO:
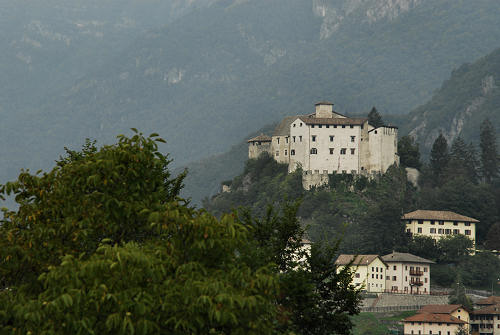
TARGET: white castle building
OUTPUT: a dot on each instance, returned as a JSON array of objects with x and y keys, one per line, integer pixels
[{"x": 326, "y": 142}]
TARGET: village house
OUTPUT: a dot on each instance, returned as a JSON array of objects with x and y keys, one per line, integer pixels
[
  {"x": 437, "y": 319},
  {"x": 369, "y": 271},
  {"x": 486, "y": 319},
  {"x": 407, "y": 273},
  {"x": 326, "y": 142},
  {"x": 437, "y": 224}
]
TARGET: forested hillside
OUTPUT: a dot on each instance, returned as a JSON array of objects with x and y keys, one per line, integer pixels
[{"x": 203, "y": 73}]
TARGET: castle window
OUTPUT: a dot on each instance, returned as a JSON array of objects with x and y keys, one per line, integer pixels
[
  {"x": 294, "y": 139},
  {"x": 352, "y": 151},
  {"x": 277, "y": 153},
  {"x": 278, "y": 139},
  {"x": 314, "y": 151},
  {"x": 327, "y": 126},
  {"x": 286, "y": 139},
  {"x": 394, "y": 278},
  {"x": 331, "y": 151},
  {"x": 375, "y": 132},
  {"x": 351, "y": 126},
  {"x": 353, "y": 138},
  {"x": 294, "y": 125},
  {"x": 286, "y": 152},
  {"x": 313, "y": 138},
  {"x": 362, "y": 126},
  {"x": 467, "y": 232},
  {"x": 334, "y": 126},
  {"x": 300, "y": 124},
  {"x": 312, "y": 126},
  {"x": 319, "y": 126},
  {"x": 342, "y": 151},
  {"x": 331, "y": 138},
  {"x": 300, "y": 138},
  {"x": 343, "y": 126},
  {"x": 362, "y": 168},
  {"x": 292, "y": 152}
]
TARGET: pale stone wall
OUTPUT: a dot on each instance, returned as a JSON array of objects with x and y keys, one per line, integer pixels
[
  {"x": 400, "y": 275},
  {"x": 281, "y": 149},
  {"x": 383, "y": 148},
  {"x": 438, "y": 229},
  {"x": 256, "y": 148},
  {"x": 312, "y": 179},
  {"x": 371, "y": 277},
  {"x": 430, "y": 328}
]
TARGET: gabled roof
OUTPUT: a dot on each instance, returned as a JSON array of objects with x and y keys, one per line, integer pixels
[
  {"x": 440, "y": 309},
  {"x": 492, "y": 309},
  {"x": 493, "y": 300},
  {"x": 434, "y": 318},
  {"x": 422, "y": 214},
  {"x": 404, "y": 257},
  {"x": 334, "y": 121},
  {"x": 359, "y": 260},
  {"x": 260, "y": 138}
]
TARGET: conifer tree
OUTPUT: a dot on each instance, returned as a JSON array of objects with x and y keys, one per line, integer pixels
[
  {"x": 489, "y": 151},
  {"x": 409, "y": 153},
  {"x": 439, "y": 157},
  {"x": 374, "y": 118},
  {"x": 462, "y": 161}
]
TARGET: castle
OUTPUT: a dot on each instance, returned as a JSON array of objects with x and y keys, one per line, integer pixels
[{"x": 326, "y": 142}]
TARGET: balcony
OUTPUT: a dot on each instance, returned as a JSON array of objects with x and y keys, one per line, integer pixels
[
  {"x": 416, "y": 273},
  {"x": 416, "y": 282}
]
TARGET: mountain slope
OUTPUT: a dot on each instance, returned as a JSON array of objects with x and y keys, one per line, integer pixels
[{"x": 469, "y": 96}]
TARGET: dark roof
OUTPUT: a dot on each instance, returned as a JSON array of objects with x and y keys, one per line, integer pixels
[
  {"x": 334, "y": 121},
  {"x": 260, "y": 138},
  {"x": 492, "y": 309},
  {"x": 360, "y": 259},
  {"x": 434, "y": 318},
  {"x": 404, "y": 257},
  {"x": 323, "y": 103},
  {"x": 386, "y": 126},
  {"x": 440, "y": 309},
  {"x": 493, "y": 300},
  {"x": 283, "y": 128},
  {"x": 421, "y": 214}
]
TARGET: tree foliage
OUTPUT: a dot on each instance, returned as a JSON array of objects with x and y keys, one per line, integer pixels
[
  {"x": 408, "y": 151},
  {"x": 489, "y": 151},
  {"x": 439, "y": 158},
  {"x": 374, "y": 118}
]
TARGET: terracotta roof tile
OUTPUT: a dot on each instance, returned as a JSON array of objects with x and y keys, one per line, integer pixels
[
  {"x": 260, "y": 138},
  {"x": 440, "y": 309},
  {"x": 493, "y": 300},
  {"x": 436, "y": 215},
  {"x": 360, "y": 259},
  {"x": 434, "y": 318},
  {"x": 492, "y": 309}
]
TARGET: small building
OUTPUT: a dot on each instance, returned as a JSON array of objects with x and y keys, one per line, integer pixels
[
  {"x": 407, "y": 273},
  {"x": 369, "y": 271},
  {"x": 437, "y": 224},
  {"x": 437, "y": 319},
  {"x": 258, "y": 145},
  {"x": 486, "y": 320}
]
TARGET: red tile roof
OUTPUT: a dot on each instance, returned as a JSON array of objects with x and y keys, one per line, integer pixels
[
  {"x": 421, "y": 214},
  {"x": 493, "y": 300},
  {"x": 488, "y": 310},
  {"x": 434, "y": 318},
  {"x": 440, "y": 309}
]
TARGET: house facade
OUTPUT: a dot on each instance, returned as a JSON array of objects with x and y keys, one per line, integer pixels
[
  {"x": 369, "y": 271},
  {"x": 407, "y": 273},
  {"x": 326, "y": 142},
  {"x": 437, "y": 224},
  {"x": 486, "y": 320},
  {"x": 437, "y": 319}
]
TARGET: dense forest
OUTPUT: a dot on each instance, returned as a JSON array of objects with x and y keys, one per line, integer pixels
[{"x": 365, "y": 213}]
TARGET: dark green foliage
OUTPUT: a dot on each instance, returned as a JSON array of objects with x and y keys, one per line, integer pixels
[
  {"x": 374, "y": 118},
  {"x": 462, "y": 162},
  {"x": 493, "y": 237},
  {"x": 439, "y": 158},
  {"x": 409, "y": 154},
  {"x": 454, "y": 248},
  {"x": 489, "y": 151},
  {"x": 458, "y": 296},
  {"x": 424, "y": 246}
]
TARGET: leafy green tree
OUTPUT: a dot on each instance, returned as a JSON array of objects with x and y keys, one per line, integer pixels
[
  {"x": 461, "y": 330},
  {"x": 409, "y": 153},
  {"x": 424, "y": 246},
  {"x": 454, "y": 248},
  {"x": 439, "y": 157},
  {"x": 102, "y": 244},
  {"x": 374, "y": 118},
  {"x": 493, "y": 237},
  {"x": 489, "y": 151},
  {"x": 458, "y": 296}
]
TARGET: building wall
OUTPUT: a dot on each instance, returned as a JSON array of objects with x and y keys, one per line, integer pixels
[
  {"x": 256, "y": 148},
  {"x": 423, "y": 227},
  {"x": 399, "y": 276},
  {"x": 463, "y": 315},
  {"x": 281, "y": 149},
  {"x": 307, "y": 137},
  {"x": 371, "y": 276},
  {"x": 427, "y": 328},
  {"x": 311, "y": 179},
  {"x": 383, "y": 148},
  {"x": 485, "y": 324}
]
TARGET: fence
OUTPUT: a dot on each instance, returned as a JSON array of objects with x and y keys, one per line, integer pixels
[{"x": 391, "y": 309}]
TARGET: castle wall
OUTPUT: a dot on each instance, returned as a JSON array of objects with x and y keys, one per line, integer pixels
[
  {"x": 312, "y": 179},
  {"x": 256, "y": 148},
  {"x": 281, "y": 149},
  {"x": 383, "y": 146}
]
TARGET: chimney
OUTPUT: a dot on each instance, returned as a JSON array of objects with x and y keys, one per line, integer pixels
[{"x": 324, "y": 109}]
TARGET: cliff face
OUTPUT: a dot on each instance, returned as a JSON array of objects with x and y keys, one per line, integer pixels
[{"x": 469, "y": 96}]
